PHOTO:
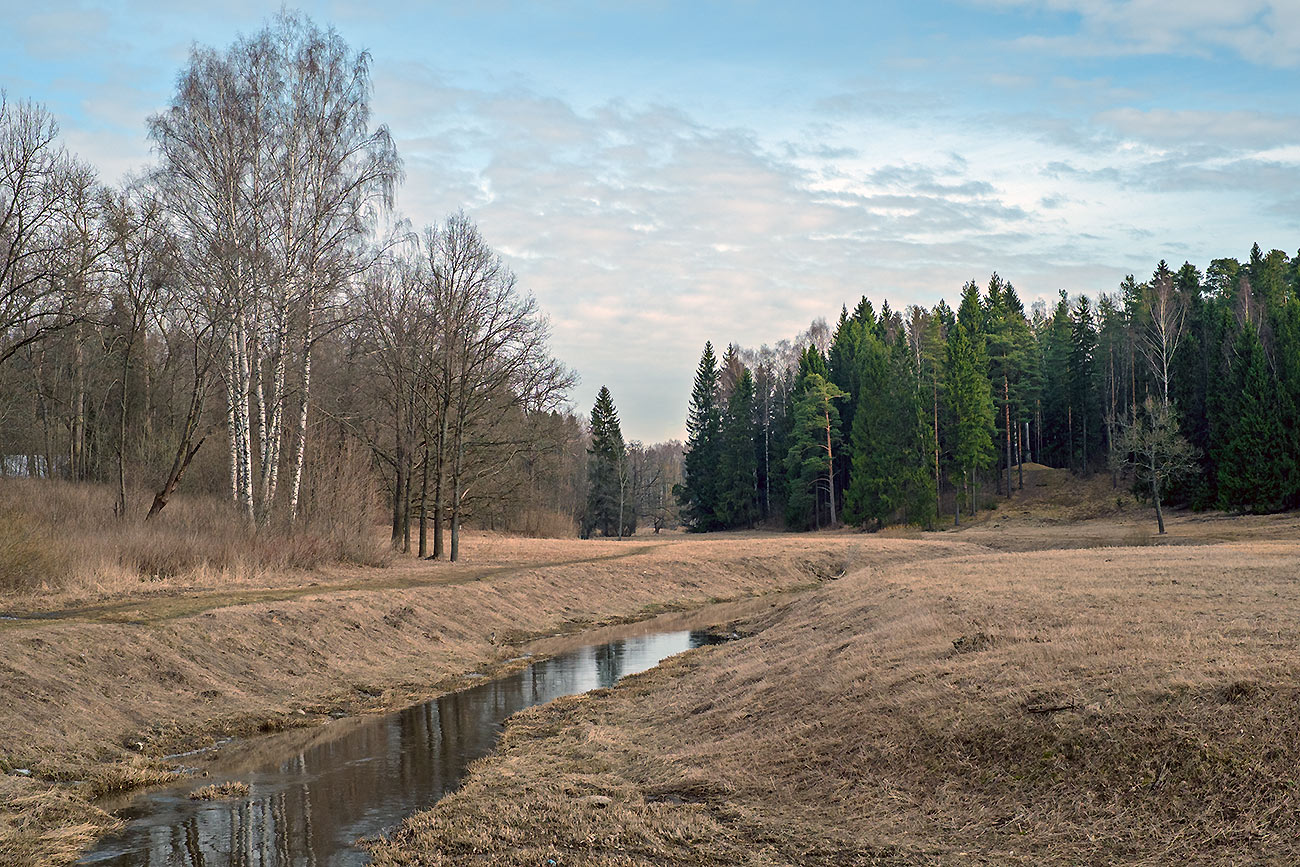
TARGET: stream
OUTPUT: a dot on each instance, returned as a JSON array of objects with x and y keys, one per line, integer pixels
[{"x": 314, "y": 792}]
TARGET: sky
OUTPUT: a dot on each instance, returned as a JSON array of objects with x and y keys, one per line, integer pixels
[{"x": 663, "y": 173}]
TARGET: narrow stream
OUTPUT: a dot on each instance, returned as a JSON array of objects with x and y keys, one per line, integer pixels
[{"x": 315, "y": 791}]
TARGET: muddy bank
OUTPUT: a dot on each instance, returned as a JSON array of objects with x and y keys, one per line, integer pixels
[{"x": 95, "y": 706}]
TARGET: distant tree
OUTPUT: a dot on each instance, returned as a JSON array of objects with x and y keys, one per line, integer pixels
[
  {"x": 971, "y": 399},
  {"x": 1164, "y": 329},
  {"x": 611, "y": 505},
  {"x": 737, "y": 470},
  {"x": 1157, "y": 451},
  {"x": 698, "y": 492},
  {"x": 1256, "y": 469},
  {"x": 814, "y": 440}
]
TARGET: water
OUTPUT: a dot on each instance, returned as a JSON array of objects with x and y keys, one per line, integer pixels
[{"x": 314, "y": 792}]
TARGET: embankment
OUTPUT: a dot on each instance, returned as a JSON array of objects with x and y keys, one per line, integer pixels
[
  {"x": 1114, "y": 705},
  {"x": 96, "y": 697}
]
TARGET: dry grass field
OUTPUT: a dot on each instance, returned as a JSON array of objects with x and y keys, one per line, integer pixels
[
  {"x": 955, "y": 697},
  {"x": 1135, "y": 705},
  {"x": 96, "y": 695}
]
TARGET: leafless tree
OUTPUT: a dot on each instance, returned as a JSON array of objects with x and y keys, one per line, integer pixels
[
  {"x": 271, "y": 172},
  {"x": 43, "y": 191},
  {"x": 1157, "y": 450},
  {"x": 1168, "y": 312}
]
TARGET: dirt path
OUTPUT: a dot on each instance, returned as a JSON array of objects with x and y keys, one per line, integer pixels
[{"x": 187, "y": 603}]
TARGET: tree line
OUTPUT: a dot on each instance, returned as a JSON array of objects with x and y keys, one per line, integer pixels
[
  {"x": 1185, "y": 385},
  {"x": 255, "y": 288}
]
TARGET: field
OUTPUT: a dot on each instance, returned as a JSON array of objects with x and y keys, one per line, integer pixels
[
  {"x": 1131, "y": 705},
  {"x": 1045, "y": 685},
  {"x": 99, "y": 688}
]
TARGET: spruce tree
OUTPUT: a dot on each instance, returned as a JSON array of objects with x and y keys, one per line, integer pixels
[
  {"x": 611, "y": 507},
  {"x": 1085, "y": 415},
  {"x": 891, "y": 443},
  {"x": 971, "y": 400},
  {"x": 738, "y": 471},
  {"x": 698, "y": 492},
  {"x": 1256, "y": 467}
]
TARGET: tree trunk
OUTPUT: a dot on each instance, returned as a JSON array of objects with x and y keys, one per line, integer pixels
[
  {"x": 439, "y": 473},
  {"x": 300, "y": 450},
  {"x": 1006, "y": 397},
  {"x": 830, "y": 465},
  {"x": 938, "y": 482},
  {"x": 1020, "y": 455},
  {"x": 185, "y": 452},
  {"x": 399, "y": 475},
  {"x": 455, "y": 498},
  {"x": 119, "y": 508},
  {"x": 1155, "y": 495},
  {"x": 1069, "y": 415},
  {"x": 424, "y": 502}
]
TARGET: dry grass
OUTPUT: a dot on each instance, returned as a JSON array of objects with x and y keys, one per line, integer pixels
[
  {"x": 228, "y": 791},
  {"x": 97, "y": 690},
  {"x": 1062, "y": 707},
  {"x": 196, "y": 541},
  {"x": 43, "y": 824}
]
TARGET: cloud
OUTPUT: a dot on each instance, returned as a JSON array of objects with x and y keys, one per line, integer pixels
[
  {"x": 1182, "y": 128},
  {"x": 1266, "y": 32},
  {"x": 645, "y": 231}
]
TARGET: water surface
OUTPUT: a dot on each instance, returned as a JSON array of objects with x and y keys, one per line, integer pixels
[{"x": 315, "y": 791}]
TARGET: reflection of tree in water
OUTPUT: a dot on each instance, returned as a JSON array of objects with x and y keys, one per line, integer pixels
[
  {"x": 609, "y": 664},
  {"x": 308, "y": 809}
]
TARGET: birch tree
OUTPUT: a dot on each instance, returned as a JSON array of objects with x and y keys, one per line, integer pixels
[{"x": 273, "y": 175}]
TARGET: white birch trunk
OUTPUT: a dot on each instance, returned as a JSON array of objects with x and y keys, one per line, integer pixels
[{"x": 300, "y": 449}]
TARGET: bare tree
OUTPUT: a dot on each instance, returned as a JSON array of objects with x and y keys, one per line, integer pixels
[
  {"x": 273, "y": 177},
  {"x": 492, "y": 357},
  {"x": 41, "y": 187},
  {"x": 136, "y": 224},
  {"x": 1157, "y": 450},
  {"x": 1164, "y": 331}
]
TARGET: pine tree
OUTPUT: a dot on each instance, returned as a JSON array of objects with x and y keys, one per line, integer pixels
[
  {"x": 738, "y": 471},
  {"x": 970, "y": 398},
  {"x": 698, "y": 492},
  {"x": 891, "y": 443},
  {"x": 611, "y": 507},
  {"x": 1256, "y": 467},
  {"x": 814, "y": 441}
]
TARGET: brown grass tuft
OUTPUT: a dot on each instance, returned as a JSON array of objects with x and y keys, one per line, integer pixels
[
  {"x": 30, "y": 558},
  {"x": 229, "y": 791}
]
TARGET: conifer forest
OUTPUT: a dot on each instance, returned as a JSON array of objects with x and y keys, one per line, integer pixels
[{"x": 1184, "y": 387}]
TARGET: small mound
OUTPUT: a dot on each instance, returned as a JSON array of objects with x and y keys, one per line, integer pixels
[{"x": 221, "y": 792}]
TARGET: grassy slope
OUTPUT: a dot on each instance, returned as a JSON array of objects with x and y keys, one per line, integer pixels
[
  {"x": 1111, "y": 705},
  {"x": 97, "y": 693}
]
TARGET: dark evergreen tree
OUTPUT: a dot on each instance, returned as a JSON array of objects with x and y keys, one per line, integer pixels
[
  {"x": 611, "y": 504},
  {"x": 738, "y": 471},
  {"x": 1256, "y": 467},
  {"x": 891, "y": 444},
  {"x": 1084, "y": 413},
  {"x": 698, "y": 492},
  {"x": 971, "y": 400},
  {"x": 814, "y": 441}
]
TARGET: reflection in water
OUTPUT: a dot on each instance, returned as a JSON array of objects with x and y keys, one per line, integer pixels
[{"x": 356, "y": 777}]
